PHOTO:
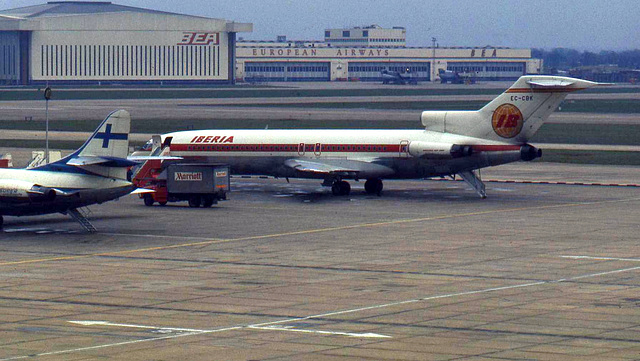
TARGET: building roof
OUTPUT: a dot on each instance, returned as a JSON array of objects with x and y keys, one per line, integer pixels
[
  {"x": 103, "y": 15},
  {"x": 57, "y": 8}
]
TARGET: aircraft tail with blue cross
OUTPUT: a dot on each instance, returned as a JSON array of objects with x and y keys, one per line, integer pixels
[{"x": 104, "y": 153}]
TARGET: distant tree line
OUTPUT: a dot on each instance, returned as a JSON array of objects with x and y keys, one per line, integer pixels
[{"x": 563, "y": 59}]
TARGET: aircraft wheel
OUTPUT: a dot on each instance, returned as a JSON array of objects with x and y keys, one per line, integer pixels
[
  {"x": 208, "y": 201},
  {"x": 335, "y": 188},
  {"x": 373, "y": 186},
  {"x": 194, "y": 201},
  {"x": 148, "y": 200},
  {"x": 162, "y": 203},
  {"x": 340, "y": 188},
  {"x": 346, "y": 188}
]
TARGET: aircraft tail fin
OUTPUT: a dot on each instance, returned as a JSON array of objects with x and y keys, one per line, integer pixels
[
  {"x": 515, "y": 115},
  {"x": 105, "y": 152},
  {"x": 111, "y": 138}
]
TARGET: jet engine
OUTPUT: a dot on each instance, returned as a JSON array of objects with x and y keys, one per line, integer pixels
[
  {"x": 439, "y": 150},
  {"x": 17, "y": 191},
  {"x": 529, "y": 152}
]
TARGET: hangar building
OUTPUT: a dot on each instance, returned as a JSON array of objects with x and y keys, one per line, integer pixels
[{"x": 100, "y": 42}]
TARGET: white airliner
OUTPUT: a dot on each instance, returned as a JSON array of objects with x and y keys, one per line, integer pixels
[
  {"x": 453, "y": 142},
  {"x": 95, "y": 173}
]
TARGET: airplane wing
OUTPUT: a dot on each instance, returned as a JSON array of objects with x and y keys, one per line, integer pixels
[{"x": 339, "y": 167}]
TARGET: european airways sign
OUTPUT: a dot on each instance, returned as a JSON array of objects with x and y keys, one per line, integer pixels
[{"x": 321, "y": 53}]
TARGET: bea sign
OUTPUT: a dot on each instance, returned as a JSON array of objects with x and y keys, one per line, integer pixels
[{"x": 197, "y": 38}]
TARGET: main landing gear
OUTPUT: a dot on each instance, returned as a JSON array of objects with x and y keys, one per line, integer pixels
[
  {"x": 373, "y": 186},
  {"x": 342, "y": 188}
]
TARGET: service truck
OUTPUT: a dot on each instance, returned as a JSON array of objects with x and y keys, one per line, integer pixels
[{"x": 199, "y": 184}]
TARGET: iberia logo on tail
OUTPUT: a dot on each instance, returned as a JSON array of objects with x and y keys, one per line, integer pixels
[{"x": 507, "y": 121}]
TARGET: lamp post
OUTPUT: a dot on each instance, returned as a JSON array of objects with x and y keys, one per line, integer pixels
[
  {"x": 47, "y": 96},
  {"x": 433, "y": 61}
]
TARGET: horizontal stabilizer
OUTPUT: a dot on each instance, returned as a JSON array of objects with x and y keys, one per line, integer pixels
[
  {"x": 551, "y": 83},
  {"x": 142, "y": 191},
  {"x": 103, "y": 161},
  {"x": 144, "y": 158}
]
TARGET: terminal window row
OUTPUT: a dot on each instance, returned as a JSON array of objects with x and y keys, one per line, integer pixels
[
  {"x": 360, "y": 40},
  {"x": 503, "y": 68},
  {"x": 260, "y": 68},
  {"x": 347, "y": 40},
  {"x": 386, "y": 40},
  {"x": 129, "y": 60},
  {"x": 379, "y": 68}
]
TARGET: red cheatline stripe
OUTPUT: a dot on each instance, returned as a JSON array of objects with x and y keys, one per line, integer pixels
[{"x": 309, "y": 148}]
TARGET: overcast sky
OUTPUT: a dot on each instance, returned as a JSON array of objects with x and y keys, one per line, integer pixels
[{"x": 580, "y": 24}]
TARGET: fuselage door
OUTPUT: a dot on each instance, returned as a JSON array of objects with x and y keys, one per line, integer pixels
[
  {"x": 301, "y": 149},
  {"x": 404, "y": 149},
  {"x": 318, "y": 149}
]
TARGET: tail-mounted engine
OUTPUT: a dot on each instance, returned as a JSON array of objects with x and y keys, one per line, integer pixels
[
  {"x": 16, "y": 191},
  {"x": 529, "y": 152}
]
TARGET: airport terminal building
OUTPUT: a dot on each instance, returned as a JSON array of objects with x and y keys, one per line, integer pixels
[
  {"x": 361, "y": 53},
  {"x": 100, "y": 42},
  {"x": 82, "y": 42}
]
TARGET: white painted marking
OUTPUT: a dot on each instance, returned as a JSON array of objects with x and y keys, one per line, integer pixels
[
  {"x": 267, "y": 328},
  {"x": 603, "y": 258},
  {"x": 355, "y": 310},
  {"x": 331, "y": 333},
  {"x": 161, "y": 329}
]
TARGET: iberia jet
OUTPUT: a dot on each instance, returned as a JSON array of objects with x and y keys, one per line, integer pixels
[
  {"x": 453, "y": 142},
  {"x": 95, "y": 173}
]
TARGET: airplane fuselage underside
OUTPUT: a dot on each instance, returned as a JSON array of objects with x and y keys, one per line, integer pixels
[
  {"x": 398, "y": 167},
  {"x": 72, "y": 191},
  {"x": 61, "y": 204}
]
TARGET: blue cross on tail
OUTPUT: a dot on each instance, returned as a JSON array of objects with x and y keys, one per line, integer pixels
[{"x": 107, "y": 135}]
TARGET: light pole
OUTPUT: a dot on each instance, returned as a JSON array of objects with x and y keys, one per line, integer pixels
[
  {"x": 47, "y": 96},
  {"x": 433, "y": 61}
]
